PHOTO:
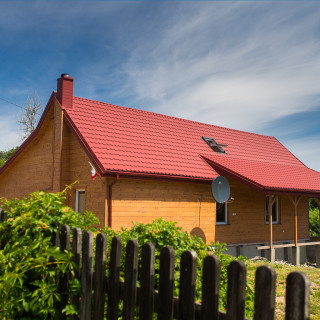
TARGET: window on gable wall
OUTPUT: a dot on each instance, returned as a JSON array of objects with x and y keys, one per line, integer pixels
[
  {"x": 221, "y": 213},
  {"x": 80, "y": 201},
  {"x": 216, "y": 147},
  {"x": 275, "y": 211}
]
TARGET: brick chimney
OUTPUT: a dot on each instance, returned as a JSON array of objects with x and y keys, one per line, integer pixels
[{"x": 65, "y": 90}]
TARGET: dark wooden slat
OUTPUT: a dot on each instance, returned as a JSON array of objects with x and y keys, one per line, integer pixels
[
  {"x": 56, "y": 237},
  {"x": 86, "y": 275},
  {"x": 166, "y": 284},
  {"x": 297, "y": 296},
  {"x": 114, "y": 280},
  {"x": 3, "y": 215},
  {"x": 187, "y": 289},
  {"x": 265, "y": 293},
  {"x": 76, "y": 251},
  {"x": 63, "y": 285},
  {"x": 130, "y": 280},
  {"x": 236, "y": 290},
  {"x": 210, "y": 288},
  {"x": 99, "y": 285},
  {"x": 147, "y": 281}
]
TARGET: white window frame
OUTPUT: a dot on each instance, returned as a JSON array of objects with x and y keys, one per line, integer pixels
[
  {"x": 77, "y": 198},
  {"x": 225, "y": 215},
  {"x": 277, "y": 212}
]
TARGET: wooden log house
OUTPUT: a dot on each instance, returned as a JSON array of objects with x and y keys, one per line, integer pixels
[{"x": 135, "y": 165}]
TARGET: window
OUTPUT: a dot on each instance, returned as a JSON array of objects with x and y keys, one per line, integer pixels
[
  {"x": 80, "y": 201},
  {"x": 216, "y": 147},
  {"x": 221, "y": 213},
  {"x": 275, "y": 211}
]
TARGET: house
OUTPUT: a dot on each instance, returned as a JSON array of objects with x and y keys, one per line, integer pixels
[{"x": 151, "y": 165}]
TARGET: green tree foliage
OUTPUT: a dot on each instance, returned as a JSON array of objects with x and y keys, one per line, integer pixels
[
  {"x": 314, "y": 229},
  {"x": 5, "y": 155},
  {"x": 30, "y": 266}
]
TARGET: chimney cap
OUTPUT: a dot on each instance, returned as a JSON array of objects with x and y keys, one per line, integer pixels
[{"x": 65, "y": 75}]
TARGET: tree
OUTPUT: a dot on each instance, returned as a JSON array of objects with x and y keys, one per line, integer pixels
[
  {"x": 5, "y": 155},
  {"x": 30, "y": 115}
]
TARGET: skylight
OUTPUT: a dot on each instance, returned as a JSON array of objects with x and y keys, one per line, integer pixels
[{"x": 215, "y": 146}]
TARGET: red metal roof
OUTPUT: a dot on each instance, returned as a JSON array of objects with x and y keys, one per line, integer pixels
[{"x": 137, "y": 142}]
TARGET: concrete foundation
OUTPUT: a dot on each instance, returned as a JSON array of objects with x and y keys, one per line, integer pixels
[{"x": 288, "y": 254}]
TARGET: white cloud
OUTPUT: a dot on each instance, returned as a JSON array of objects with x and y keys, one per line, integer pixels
[{"x": 199, "y": 70}]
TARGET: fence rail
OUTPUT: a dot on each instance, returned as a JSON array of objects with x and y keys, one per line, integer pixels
[{"x": 96, "y": 285}]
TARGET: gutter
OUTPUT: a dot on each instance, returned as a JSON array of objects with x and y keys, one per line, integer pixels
[{"x": 110, "y": 201}]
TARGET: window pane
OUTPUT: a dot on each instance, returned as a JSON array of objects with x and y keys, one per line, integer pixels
[
  {"x": 221, "y": 212},
  {"x": 81, "y": 198},
  {"x": 274, "y": 211}
]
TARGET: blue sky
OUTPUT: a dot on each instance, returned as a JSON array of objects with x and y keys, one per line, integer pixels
[{"x": 253, "y": 66}]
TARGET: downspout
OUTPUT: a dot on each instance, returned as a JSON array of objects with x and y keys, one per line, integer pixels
[{"x": 110, "y": 201}]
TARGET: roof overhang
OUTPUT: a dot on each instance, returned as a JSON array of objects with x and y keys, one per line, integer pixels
[{"x": 225, "y": 170}]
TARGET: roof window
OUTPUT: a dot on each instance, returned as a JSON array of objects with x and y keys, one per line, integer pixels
[{"x": 215, "y": 146}]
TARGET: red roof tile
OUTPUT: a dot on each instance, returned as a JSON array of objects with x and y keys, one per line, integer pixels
[{"x": 136, "y": 141}]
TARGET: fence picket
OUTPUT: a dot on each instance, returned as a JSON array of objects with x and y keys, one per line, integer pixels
[
  {"x": 114, "y": 280},
  {"x": 210, "y": 288},
  {"x": 130, "y": 280},
  {"x": 3, "y": 215},
  {"x": 147, "y": 281},
  {"x": 63, "y": 285},
  {"x": 76, "y": 251},
  {"x": 265, "y": 293},
  {"x": 166, "y": 284},
  {"x": 86, "y": 275},
  {"x": 187, "y": 289},
  {"x": 236, "y": 293},
  {"x": 297, "y": 296},
  {"x": 99, "y": 285}
]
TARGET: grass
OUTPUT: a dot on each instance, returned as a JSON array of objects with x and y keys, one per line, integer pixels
[{"x": 282, "y": 273}]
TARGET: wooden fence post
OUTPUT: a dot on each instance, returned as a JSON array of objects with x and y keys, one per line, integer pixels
[
  {"x": 130, "y": 280},
  {"x": 297, "y": 296},
  {"x": 265, "y": 293},
  {"x": 76, "y": 251},
  {"x": 187, "y": 289},
  {"x": 210, "y": 288},
  {"x": 166, "y": 284},
  {"x": 114, "y": 280},
  {"x": 100, "y": 277},
  {"x": 236, "y": 293},
  {"x": 86, "y": 275},
  {"x": 147, "y": 281}
]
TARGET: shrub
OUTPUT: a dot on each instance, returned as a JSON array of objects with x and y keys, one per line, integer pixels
[{"x": 30, "y": 267}]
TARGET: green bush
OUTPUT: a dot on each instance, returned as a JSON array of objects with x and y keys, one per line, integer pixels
[
  {"x": 30, "y": 266},
  {"x": 314, "y": 230}
]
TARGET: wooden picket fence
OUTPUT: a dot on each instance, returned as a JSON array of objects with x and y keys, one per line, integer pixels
[{"x": 96, "y": 286}]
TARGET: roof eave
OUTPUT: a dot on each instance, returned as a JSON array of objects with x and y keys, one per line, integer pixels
[{"x": 259, "y": 187}]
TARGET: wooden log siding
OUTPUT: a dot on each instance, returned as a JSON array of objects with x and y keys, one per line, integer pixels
[{"x": 162, "y": 302}]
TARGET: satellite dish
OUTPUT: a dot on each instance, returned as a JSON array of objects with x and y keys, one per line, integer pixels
[{"x": 220, "y": 189}]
